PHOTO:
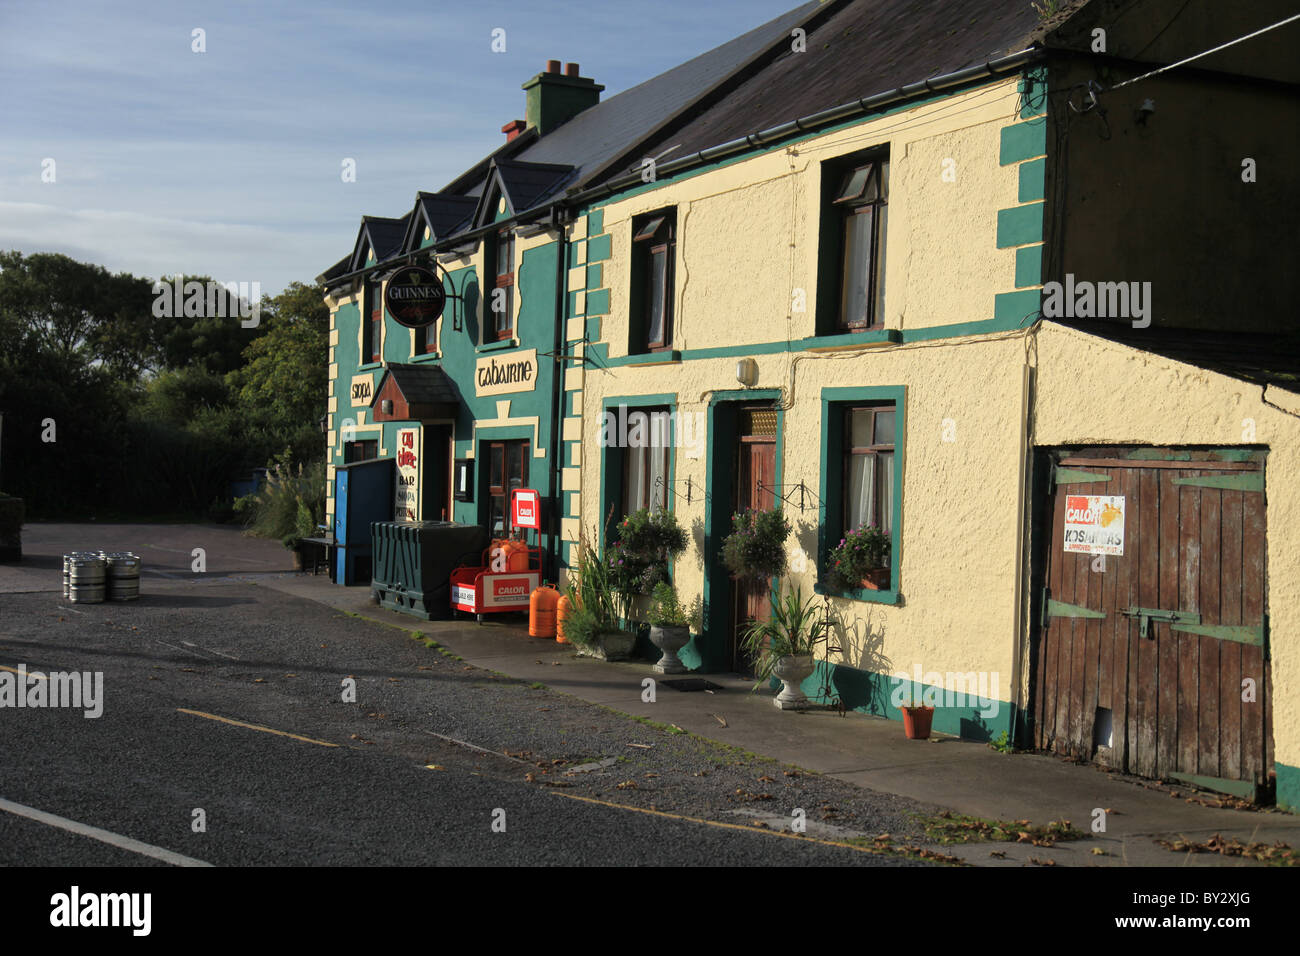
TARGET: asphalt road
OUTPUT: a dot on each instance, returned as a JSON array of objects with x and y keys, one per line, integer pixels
[{"x": 528, "y": 776}]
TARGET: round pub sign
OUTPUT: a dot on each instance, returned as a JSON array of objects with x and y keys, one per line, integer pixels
[{"x": 414, "y": 296}]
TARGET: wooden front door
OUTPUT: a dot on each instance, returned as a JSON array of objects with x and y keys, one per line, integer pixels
[
  {"x": 755, "y": 488},
  {"x": 1155, "y": 661}
]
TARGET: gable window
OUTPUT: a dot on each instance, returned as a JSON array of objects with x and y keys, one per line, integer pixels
[
  {"x": 502, "y": 324},
  {"x": 372, "y": 325},
  {"x": 426, "y": 340},
  {"x": 654, "y": 244}
]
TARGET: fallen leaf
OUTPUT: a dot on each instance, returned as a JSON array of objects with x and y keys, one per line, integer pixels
[
  {"x": 998, "y": 854},
  {"x": 628, "y": 785}
]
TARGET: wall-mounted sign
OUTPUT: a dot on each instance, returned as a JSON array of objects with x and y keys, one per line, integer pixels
[
  {"x": 1094, "y": 524},
  {"x": 406, "y": 499},
  {"x": 526, "y": 508},
  {"x": 508, "y": 372},
  {"x": 363, "y": 389},
  {"x": 414, "y": 296}
]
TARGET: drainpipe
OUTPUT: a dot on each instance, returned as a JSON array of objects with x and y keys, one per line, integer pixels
[
  {"x": 1022, "y": 530},
  {"x": 557, "y": 393}
]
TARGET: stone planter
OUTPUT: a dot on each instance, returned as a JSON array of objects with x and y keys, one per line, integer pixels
[
  {"x": 792, "y": 671},
  {"x": 611, "y": 646},
  {"x": 670, "y": 640}
]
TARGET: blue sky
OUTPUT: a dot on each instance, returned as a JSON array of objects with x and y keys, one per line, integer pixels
[{"x": 227, "y": 162}]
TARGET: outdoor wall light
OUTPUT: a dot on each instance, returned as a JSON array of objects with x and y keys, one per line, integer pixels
[
  {"x": 747, "y": 372},
  {"x": 386, "y": 406}
]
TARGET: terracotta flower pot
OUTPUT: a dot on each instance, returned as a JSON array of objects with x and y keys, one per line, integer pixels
[
  {"x": 877, "y": 580},
  {"x": 916, "y": 722}
]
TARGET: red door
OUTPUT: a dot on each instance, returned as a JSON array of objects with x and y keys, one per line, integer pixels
[
  {"x": 755, "y": 488},
  {"x": 1154, "y": 661}
]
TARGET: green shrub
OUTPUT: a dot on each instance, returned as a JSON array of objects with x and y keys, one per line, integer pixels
[{"x": 289, "y": 507}]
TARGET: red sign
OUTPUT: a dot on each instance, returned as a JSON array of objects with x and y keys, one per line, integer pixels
[{"x": 526, "y": 508}]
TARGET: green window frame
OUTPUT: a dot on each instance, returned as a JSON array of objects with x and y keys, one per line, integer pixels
[{"x": 838, "y": 405}]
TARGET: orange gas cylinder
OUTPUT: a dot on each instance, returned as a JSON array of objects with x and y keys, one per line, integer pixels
[
  {"x": 517, "y": 553},
  {"x": 541, "y": 611},
  {"x": 563, "y": 607}
]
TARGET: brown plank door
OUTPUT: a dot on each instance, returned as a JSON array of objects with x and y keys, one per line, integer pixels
[
  {"x": 755, "y": 488},
  {"x": 1154, "y": 661}
]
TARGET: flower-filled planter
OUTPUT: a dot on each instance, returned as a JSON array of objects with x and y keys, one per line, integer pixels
[
  {"x": 646, "y": 541},
  {"x": 860, "y": 560},
  {"x": 756, "y": 546},
  {"x": 670, "y": 627}
]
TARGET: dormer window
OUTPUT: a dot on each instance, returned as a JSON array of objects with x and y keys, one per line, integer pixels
[{"x": 501, "y": 303}]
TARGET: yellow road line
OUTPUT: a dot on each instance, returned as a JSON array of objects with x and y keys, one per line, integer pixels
[
  {"x": 268, "y": 730},
  {"x": 14, "y": 670},
  {"x": 717, "y": 823}
]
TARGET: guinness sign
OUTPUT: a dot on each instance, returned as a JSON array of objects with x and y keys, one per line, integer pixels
[{"x": 414, "y": 297}]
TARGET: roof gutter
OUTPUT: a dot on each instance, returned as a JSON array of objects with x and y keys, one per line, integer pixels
[{"x": 827, "y": 117}]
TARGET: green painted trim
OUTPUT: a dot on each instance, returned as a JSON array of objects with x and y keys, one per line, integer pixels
[
  {"x": 600, "y": 248},
  {"x": 830, "y": 481},
  {"x": 870, "y": 692},
  {"x": 595, "y": 222},
  {"x": 1016, "y": 306},
  {"x": 1061, "y": 609},
  {"x": 497, "y": 346},
  {"x": 594, "y": 273},
  {"x": 598, "y": 302},
  {"x": 959, "y": 329},
  {"x": 1239, "y": 454},
  {"x": 1288, "y": 786},
  {"x": 1029, "y": 266},
  {"x": 591, "y": 328},
  {"x": 576, "y": 249},
  {"x": 1020, "y": 225},
  {"x": 1241, "y": 481},
  {"x": 1023, "y": 141},
  {"x": 1245, "y": 789},
  {"x": 1224, "y": 632},
  {"x": 1033, "y": 92},
  {"x": 1033, "y": 177},
  {"x": 1072, "y": 476}
]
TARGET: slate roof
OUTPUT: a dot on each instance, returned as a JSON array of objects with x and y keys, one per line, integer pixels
[
  {"x": 1251, "y": 357},
  {"x": 421, "y": 384},
  {"x": 863, "y": 48},
  {"x": 445, "y": 215}
]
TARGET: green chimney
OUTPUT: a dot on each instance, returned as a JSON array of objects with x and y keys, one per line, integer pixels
[{"x": 554, "y": 97}]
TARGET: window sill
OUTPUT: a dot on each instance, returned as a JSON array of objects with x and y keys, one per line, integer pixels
[
  {"x": 511, "y": 343},
  {"x": 860, "y": 594},
  {"x": 854, "y": 340},
  {"x": 426, "y": 357},
  {"x": 369, "y": 366},
  {"x": 662, "y": 357}
]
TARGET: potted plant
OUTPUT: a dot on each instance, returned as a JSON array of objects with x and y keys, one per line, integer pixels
[
  {"x": 594, "y": 624},
  {"x": 917, "y": 719},
  {"x": 861, "y": 559},
  {"x": 783, "y": 646},
  {"x": 670, "y": 627},
  {"x": 646, "y": 541},
  {"x": 756, "y": 546}
]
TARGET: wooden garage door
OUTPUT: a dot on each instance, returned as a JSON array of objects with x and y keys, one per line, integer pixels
[{"x": 1148, "y": 661}]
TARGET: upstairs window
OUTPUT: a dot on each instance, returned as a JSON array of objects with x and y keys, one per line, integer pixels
[
  {"x": 372, "y": 324},
  {"x": 654, "y": 244},
  {"x": 851, "y": 270},
  {"x": 502, "y": 304},
  {"x": 426, "y": 340}
]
